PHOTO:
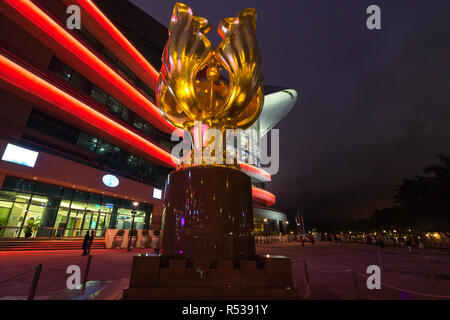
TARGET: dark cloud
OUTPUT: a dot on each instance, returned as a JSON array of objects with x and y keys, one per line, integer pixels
[{"x": 373, "y": 105}]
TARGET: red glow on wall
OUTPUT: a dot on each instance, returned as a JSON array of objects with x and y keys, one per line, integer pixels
[
  {"x": 27, "y": 81},
  {"x": 255, "y": 172},
  {"x": 46, "y": 24},
  {"x": 108, "y": 26},
  {"x": 263, "y": 195}
]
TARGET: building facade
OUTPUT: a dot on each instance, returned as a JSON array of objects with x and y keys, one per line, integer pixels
[{"x": 83, "y": 146}]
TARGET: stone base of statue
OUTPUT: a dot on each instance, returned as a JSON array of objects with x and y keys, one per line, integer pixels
[
  {"x": 262, "y": 278},
  {"x": 207, "y": 246}
]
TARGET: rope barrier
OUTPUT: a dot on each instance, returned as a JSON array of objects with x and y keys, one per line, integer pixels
[
  {"x": 328, "y": 271},
  {"x": 408, "y": 291},
  {"x": 382, "y": 283},
  {"x": 15, "y": 277}
]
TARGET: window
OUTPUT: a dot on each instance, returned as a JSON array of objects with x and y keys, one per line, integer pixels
[
  {"x": 125, "y": 114},
  {"x": 99, "y": 95},
  {"x": 78, "y": 81},
  {"x": 138, "y": 123},
  {"x": 115, "y": 106},
  {"x": 149, "y": 130},
  {"x": 61, "y": 69},
  {"x": 131, "y": 160},
  {"x": 87, "y": 142}
]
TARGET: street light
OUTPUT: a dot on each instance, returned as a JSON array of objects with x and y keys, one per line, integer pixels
[
  {"x": 133, "y": 214},
  {"x": 265, "y": 227}
]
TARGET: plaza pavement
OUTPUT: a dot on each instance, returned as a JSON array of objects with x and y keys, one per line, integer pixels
[{"x": 327, "y": 264}]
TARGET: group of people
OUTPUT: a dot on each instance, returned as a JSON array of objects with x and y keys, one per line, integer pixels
[
  {"x": 310, "y": 238},
  {"x": 87, "y": 243}
]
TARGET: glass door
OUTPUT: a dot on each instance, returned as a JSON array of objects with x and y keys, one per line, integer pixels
[
  {"x": 86, "y": 224},
  {"x": 74, "y": 223}
]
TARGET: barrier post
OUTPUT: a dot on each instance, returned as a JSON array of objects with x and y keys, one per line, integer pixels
[
  {"x": 86, "y": 271},
  {"x": 305, "y": 268},
  {"x": 34, "y": 282},
  {"x": 355, "y": 282}
]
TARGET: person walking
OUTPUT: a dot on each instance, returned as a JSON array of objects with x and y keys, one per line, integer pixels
[
  {"x": 312, "y": 239},
  {"x": 86, "y": 243},
  {"x": 381, "y": 243},
  {"x": 409, "y": 245},
  {"x": 91, "y": 239},
  {"x": 421, "y": 246},
  {"x": 302, "y": 241}
]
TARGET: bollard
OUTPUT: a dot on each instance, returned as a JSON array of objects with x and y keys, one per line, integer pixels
[
  {"x": 86, "y": 271},
  {"x": 306, "y": 271},
  {"x": 355, "y": 282},
  {"x": 34, "y": 283},
  {"x": 428, "y": 266},
  {"x": 305, "y": 268},
  {"x": 380, "y": 261}
]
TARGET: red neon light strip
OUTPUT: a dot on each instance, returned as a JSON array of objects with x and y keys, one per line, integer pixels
[
  {"x": 29, "y": 82},
  {"x": 255, "y": 171},
  {"x": 263, "y": 195},
  {"x": 64, "y": 38},
  {"x": 109, "y": 27}
]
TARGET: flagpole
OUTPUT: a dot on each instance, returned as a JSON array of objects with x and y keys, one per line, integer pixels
[{"x": 303, "y": 225}]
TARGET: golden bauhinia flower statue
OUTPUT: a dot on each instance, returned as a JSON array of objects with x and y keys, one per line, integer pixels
[
  {"x": 207, "y": 217},
  {"x": 193, "y": 93}
]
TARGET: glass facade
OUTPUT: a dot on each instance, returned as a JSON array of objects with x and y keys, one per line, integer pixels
[
  {"x": 113, "y": 106},
  {"x": 109, "y": 155},
  {"x": 36, "y": 209}
]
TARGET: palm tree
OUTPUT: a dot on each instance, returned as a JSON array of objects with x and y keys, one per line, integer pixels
[{"x": 442, "y": 170}]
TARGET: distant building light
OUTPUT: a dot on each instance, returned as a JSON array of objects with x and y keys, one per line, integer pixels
[
  {"x": 157, "y": 193},
  {"x": 110, "y": 180},
  {"x": 19, "y": 155}
]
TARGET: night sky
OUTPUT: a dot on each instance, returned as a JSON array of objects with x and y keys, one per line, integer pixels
[{"x": 373, "y": 107}]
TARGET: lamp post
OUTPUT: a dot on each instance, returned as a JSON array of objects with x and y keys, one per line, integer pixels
[
  {"x": 265, "y": 228},
  {"x": 133, "y": 214}
]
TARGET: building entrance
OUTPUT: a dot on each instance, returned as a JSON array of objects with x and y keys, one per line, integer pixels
[{"x": 78, "y": 222}]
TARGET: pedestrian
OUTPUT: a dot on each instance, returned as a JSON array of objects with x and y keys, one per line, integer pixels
[
  {"x": 409, "y": 245},
  {"x": 312, "y": 240},
  {"x": 381, "y": 243},
  {"x": 302, "y": 241},
  {"x": 91, "y": 239},
  {"x": 86, "y": 243},
  {"x": 421, "y": 246}
]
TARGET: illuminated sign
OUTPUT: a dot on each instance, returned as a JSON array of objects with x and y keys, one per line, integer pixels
[
  {"x": 20, "y": 155},
  {"x": 110, "y": 180},
  {"x": 157, "y": 193}
]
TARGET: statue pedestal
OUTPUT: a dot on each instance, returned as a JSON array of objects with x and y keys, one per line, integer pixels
[
  {"x": 208, "y": 215},
  {"x": 207, "y": 246},
  {"x": 262, "y": 278}
]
